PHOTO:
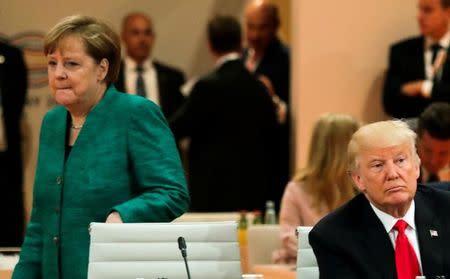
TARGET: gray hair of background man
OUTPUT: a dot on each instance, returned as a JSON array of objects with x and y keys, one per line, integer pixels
[
  {"x": 435, "y": 120},
  {"x": 380, "y": 135},
  {"x": 224, "y": 34}
]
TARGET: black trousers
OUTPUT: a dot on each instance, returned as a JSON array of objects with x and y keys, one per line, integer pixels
[{"x": 11, "y": 200}]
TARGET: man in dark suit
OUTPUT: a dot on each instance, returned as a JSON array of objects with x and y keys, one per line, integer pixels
[
  {"x": 433, "y": 143},
  {"x": 230, "y": 120},
  {"x": 394, "y": 228},
  {"x": 13, "y": 88},
  {"x": 419, "y": 67},
  {"x": 269, "y": 59},
  {"x": 142, "y": 75}
]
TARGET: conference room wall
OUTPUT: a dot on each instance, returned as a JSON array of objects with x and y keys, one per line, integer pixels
[{"x": 339, "y": 57}]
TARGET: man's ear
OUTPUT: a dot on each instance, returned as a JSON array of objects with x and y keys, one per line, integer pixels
[{"x": 357, "y": 180}]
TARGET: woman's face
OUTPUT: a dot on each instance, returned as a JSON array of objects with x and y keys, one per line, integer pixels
[{"x": 75, "y": 78}]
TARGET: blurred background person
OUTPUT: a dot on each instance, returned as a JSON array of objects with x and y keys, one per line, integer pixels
[
  {"x": 321, "y": 186},
  {"x": 13, "y": 88},
  {"x": 140, "y": 73},
  {"x": 230, "y": 120},
  {"x": 433, "y": 143},
  {"x": 104, "y": 156},
  {"x": 269, "y": 59},
  {"x": 419, "y": 69}
]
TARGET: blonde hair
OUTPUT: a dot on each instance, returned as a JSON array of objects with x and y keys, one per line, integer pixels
[
  {"x": 99, "y": 40},
  {"x": 380, "y": 135},
  {"x": 325, "y": 174}
]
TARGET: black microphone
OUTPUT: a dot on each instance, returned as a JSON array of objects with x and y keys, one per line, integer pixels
[{"x": 182, "y": 247}]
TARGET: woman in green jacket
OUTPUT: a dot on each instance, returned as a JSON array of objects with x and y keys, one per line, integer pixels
[{"x": 104, "y": 156}]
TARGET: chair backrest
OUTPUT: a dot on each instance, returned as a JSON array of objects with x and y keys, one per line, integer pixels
[
  {"x": 307, "y": 267},
  {"x": 150, "y": 250},
  {"x": 262, "y": 241}
]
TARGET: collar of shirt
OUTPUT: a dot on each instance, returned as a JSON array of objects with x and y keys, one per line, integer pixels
[
  {"x": 130, "y": 64},
  {"x": 227, "y": 57},
  {"x": 444, "y": 42},
  {"x": 389, "y": 221}
]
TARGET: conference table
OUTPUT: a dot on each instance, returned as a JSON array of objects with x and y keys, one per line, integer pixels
[{"x": 275, "y": 271}]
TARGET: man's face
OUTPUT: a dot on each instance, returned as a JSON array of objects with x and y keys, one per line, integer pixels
[
  {"x": 387, "y": 176},
  {"x": 434, "y": 153},
  {"x": 138, "y": 37},
  {"x": 433, "y": 19},
  {"x": 260, "y": 29}
]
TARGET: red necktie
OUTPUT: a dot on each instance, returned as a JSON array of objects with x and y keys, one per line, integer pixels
[{"x": 405, "y": 257}]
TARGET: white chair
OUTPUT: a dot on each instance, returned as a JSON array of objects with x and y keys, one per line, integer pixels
[
  {"x": 307, "y": 267},
  {"x": 150, "y": 250},
  {"x": 262, "y": 241}
]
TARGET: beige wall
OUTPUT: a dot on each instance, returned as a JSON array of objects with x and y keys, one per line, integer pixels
[{"x": 339, "y": 55}]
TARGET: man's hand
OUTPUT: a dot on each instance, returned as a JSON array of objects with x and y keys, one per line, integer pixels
[{"x": 412, "y": 88}]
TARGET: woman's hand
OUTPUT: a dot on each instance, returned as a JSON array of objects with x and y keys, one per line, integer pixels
[{"x": 114, "y": 217}]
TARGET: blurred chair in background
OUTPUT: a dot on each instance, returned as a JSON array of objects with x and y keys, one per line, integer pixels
[{"x": 306, "y": 260}]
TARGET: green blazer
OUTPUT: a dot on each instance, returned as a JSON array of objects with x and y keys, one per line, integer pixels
[{"x": 124, "y": 159}]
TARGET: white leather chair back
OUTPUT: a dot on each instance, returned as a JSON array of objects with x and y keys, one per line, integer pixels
[
  {"x": 150, "y": 251},
  {"x": 307, "y": 267}
]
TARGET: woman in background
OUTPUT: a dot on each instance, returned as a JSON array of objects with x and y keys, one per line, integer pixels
[
  {"x": 104, "y": 156},
  {"x": 320, "y": 187}
]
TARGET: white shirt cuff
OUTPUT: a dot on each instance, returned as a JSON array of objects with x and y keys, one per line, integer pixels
[{"x": 427, "y": 86}]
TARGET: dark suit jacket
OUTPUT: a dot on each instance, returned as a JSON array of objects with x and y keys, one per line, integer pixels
[
  {"x": 406, "y": 63},
  {"x": 13, "y": 87},
  {"x": 230, "y": 118},
  {"x": 443, "y": 185},
  {"x": 352, "y": 242},
  {"x": 169, "y": 82},
  {"x": 275, "y": 64}
]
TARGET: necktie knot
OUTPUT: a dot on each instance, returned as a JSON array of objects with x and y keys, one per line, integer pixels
[
  {"x": 434, "y": 51},
  {"x": 139, "y": 69},
  {"x": 435, "y": 47},
  {"x": 400, "y": 226}
]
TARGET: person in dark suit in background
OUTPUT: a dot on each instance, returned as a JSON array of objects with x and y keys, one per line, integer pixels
[
  {"x": 142, "y": 75},
  {"x": 269, "y": 59},
  {"x": 419, "y": 68},
  {"x": 13, "y": 88},
  {"x": 433, "y": 143},
  {"x": 230, "y": 120},
  {"x": 394, "y": 228}
]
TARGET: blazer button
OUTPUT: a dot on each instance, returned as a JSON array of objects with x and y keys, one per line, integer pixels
[
  {"x": 59, "y": 180},
  {"x": 57, "y": 210},
  {"x": 55, "y": 240}
]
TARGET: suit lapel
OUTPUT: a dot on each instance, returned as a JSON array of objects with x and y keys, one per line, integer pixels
[
  {"x": 120, "y": 83},
  {"x": 431, "y": 245},
  {"x": 378, "y": 244},
  {"x": 420, "y": 50},
  {"x": 162, "y": 88}
]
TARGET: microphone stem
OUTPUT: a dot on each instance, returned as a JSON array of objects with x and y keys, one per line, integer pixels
[{"x": 187, "y": 268}]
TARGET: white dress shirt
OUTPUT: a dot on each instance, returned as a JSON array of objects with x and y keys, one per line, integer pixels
[
  {"x": 410, "y": 231},
  {"x": 444, "y": 42},
  {"x": 150, "y": 78}
]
